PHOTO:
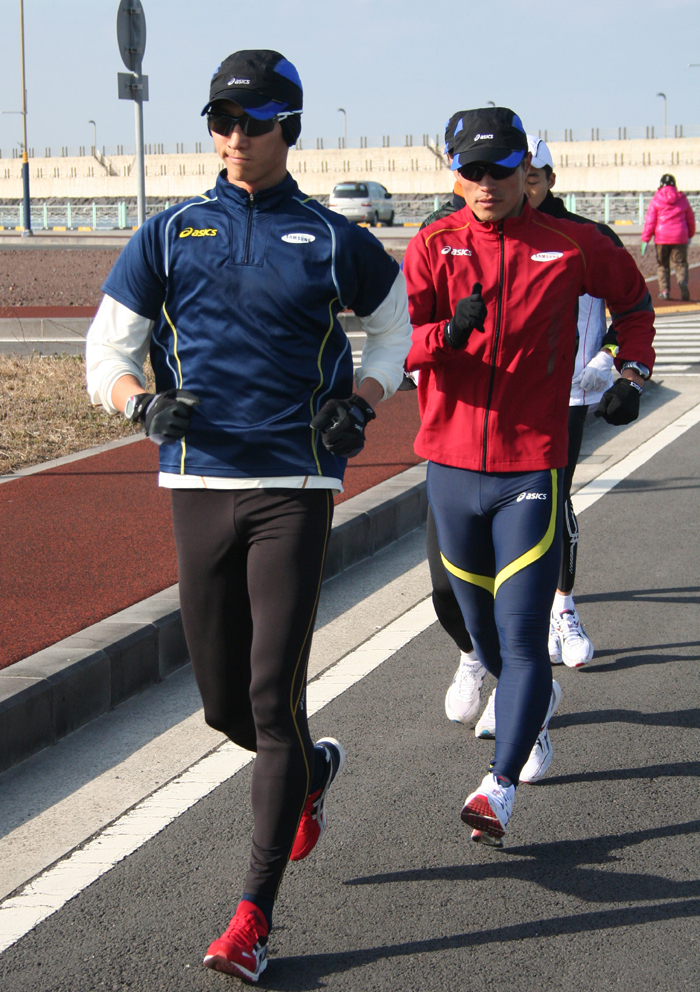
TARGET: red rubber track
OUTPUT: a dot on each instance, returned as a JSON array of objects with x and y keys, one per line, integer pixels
[{"x": 81, "y": 541}]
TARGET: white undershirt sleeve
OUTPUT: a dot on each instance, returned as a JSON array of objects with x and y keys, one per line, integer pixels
[
  {"x": 388, "y": 342},
  {"x": 117, "y": 344}
]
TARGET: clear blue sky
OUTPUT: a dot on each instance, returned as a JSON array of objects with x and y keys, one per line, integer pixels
[{"x": 397, "y": 66}]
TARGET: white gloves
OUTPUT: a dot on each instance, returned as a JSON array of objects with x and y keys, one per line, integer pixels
[{"x": 597, "y": 375}]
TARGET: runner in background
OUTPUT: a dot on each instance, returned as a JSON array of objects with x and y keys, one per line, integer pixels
[
  {"x": 670, "y": 221},
  {"x": 593, "y": 374}
]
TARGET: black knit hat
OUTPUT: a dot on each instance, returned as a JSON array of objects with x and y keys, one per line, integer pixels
[{"x": 667, "y": 180}]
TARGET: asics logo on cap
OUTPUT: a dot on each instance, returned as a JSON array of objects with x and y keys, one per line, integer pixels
[
  {"x": 523, "y": 496},
  {"x": 546, "y": 256},
  {"x": 455, "y": 251},
  {"x": 481, "y": 137},
  {"x": 233, "y": 81}
]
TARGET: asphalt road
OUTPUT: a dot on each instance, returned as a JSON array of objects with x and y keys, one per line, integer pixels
[{"x": 597, "y": 887}]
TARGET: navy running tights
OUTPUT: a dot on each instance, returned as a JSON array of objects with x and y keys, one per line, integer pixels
[{"x": 500, "y": 542}]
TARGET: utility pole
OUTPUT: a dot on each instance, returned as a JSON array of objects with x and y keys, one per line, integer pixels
[
  {"x": 27, "y": 232},
  {"x": 131, "y": 36},
  {"x": 345, "y": 126},
  {"x": 664, "y": 96}
]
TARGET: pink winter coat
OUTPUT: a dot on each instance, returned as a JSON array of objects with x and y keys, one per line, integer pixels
[{"x": 670, "y": 219}]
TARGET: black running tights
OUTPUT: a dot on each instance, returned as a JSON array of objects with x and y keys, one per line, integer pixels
[{"x": 250, "y": 564}]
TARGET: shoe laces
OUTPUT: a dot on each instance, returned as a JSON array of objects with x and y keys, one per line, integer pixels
[
  {"x": 246, "y": 928},
  {"x": 569, "y": 624},
  {"x": 467, "y": 680}
]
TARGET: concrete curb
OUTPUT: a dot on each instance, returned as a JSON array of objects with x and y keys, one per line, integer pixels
[{"x": 55, "y": 691}]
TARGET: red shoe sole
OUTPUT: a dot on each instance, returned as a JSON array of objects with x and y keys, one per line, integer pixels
[{"x": 479, "y": 815}]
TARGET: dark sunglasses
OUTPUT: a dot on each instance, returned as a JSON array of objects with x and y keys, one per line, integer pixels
[
  {"x": 476, "y": 171},
  {"x": 224, "y": 124}
]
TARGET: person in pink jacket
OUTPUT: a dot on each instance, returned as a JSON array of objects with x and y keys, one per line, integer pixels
[{"x": 671, "y": 222}]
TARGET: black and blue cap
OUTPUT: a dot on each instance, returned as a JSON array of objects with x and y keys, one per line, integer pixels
[
  {"x": 263, "y": 82},
  {"x": 450, "y": 131},
  {"x": 489, "y": 134}
]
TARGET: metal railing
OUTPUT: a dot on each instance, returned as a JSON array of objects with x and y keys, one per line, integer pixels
[
  {"x": 611, "y": 208},
  {"x": 409, "y": 209}
]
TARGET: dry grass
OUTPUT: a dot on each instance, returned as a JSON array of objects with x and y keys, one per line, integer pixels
[{"x": 45, "y": 411}]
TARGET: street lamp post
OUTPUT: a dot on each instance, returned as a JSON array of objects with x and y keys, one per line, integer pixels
[
  {"x": 664, "y": 97},
  {"x": 345, "y": 126},
  {"x": 94, "y": 147},
  {"x": 27, "y": 232}
]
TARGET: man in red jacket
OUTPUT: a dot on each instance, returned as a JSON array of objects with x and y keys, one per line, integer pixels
[{"x": 493, "y": 290}]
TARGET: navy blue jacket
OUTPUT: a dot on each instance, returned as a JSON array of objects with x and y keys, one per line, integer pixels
[{"x": 245, "y": 291}]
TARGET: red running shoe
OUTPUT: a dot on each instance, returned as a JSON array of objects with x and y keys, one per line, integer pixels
[
  {"x": 242, "y": 949},
  {"x": 313, "y": 819}
]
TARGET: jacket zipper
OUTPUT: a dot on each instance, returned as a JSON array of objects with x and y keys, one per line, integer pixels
[
  {"x": 495, "y": 342},
  {"x": 250, "y": 226}
]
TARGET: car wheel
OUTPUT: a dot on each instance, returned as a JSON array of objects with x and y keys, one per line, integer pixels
[
  {"x": 390, "y": 221},
  {"x": 374, "y": 219}
]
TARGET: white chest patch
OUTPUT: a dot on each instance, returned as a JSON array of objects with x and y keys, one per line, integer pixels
[
  {"x": 298, "y": 239},
  {"x": 546, "y": 256}
]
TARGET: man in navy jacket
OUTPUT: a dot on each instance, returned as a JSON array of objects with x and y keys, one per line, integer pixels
[{"x": 236, "y": 293}]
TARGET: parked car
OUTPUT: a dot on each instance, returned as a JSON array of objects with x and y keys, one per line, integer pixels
[{"x": 367, "y": 203}]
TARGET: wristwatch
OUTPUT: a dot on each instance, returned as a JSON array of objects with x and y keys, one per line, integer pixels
[
  {"x": 638, "y": 368},
  {"x": 135, "y": 406}
]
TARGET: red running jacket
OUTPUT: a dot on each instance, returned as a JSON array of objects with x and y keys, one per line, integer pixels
[{"x": 501, "y": 403}]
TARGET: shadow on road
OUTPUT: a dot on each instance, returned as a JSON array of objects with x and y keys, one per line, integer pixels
[
  {"x": 302, "y": 974},
  {"x": 672, "y": 718}
]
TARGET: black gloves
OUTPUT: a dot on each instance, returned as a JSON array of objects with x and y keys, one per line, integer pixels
[
  {"x": 469, "y": 313},
  {"x": 166, "y": 416},
  {"x": 342, "y": 425},
  {"x": 619, "y": 405}
]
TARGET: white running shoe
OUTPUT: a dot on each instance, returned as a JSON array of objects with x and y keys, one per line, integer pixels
[
  {"x": 542, "y": 753},
  {"x": 576, "y": 647},
  {"x": 464, "y": 695},
  {"x": 486, "y": 724},
  {"x": 554, "y": 643},
  {"x": 488, "y": 810}
]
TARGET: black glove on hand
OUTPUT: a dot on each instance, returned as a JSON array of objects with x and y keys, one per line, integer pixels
[
  {"x": 469, "y": 313},
  {"x": 167, "y": 415},
  {"x": 619, "y": 405},
  {"x": 342, "y": 425}
]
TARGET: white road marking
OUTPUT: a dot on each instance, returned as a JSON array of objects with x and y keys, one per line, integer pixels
[
  {"x": 602, "y": 484},
  {"x": 54, "y": 887},
  {"x": 677, "y": 342}
]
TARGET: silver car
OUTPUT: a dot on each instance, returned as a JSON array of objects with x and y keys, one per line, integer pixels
[{"x": 367, "y": 203}]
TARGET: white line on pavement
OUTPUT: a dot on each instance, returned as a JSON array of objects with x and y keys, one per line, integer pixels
[
  {"x": 54, "y": 887},
  {"x": 607, "y": 480}
]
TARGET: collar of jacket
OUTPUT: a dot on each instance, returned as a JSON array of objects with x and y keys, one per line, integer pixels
[
  {"x": 511, "y": 227},
  {"x": 553, "y": 205},
  {"x": 236, "y": 198}
]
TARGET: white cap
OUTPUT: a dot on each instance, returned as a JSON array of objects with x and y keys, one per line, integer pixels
[{"x": 541, "y": 155}]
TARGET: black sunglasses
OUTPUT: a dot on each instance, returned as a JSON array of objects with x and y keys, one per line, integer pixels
[
  {"x": 224, "y": 124},
  {"x": 476, "y": 171}
]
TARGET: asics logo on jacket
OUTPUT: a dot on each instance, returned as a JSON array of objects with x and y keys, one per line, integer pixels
[{"x": 447, "y": 250}]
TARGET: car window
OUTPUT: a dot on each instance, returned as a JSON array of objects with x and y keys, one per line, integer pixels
[{"x": 345, "y": 190}]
